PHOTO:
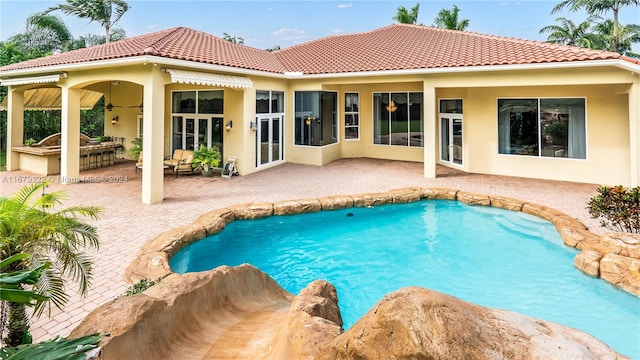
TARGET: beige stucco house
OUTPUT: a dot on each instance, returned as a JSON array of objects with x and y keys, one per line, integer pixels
[{"x": 480, "y": 103}]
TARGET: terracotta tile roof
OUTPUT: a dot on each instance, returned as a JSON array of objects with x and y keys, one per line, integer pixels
[
  {"x": 394, "y": 47},
  {"x": 402, "y": 47},
  {"x": 176, "y": 43}
]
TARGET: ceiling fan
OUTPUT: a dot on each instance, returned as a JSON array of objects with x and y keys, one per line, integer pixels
[{"x": 110, "y": 106}]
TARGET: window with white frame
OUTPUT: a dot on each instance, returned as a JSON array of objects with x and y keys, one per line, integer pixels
[
  {"x": 269, "y": 102},
  {"x": 351, "y": 116},
  {"x": 548, "y": 127},
  {"x": 398, "y": 118}
]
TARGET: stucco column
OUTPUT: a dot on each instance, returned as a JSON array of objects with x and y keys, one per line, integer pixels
[
  {"x": 70, "y": 136},
  {"x": 634, "y": 132},
  {"x": 15, "y": 127},
  {"x": 153, "y": 140},
  {"x": 246, "y": 162},
  {"x": 430, "y": 135}
]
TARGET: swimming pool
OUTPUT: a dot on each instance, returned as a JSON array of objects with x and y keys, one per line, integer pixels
[{"x": 488, "y": 256}]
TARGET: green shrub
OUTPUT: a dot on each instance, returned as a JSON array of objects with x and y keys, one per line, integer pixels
[
  {"x": 139, "y": 287},
  {"x": 617, "y": 208}
]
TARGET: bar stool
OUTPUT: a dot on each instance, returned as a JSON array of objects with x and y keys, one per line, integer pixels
[
  {"x": 109, "y": 154},
  {"x": 84, "y": 160},
  {"x": 95, "y": 158},
  {"x": 119, "y": 150}
]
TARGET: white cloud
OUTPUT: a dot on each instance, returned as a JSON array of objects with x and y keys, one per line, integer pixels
[
  {"x": 151, "y": 27},
  {"x": 289, "y": 33},
  {"x": 512, "y": 3},
  {"x": 286, "y": 37},
  {"x": 336, "y": 31},
  {"x": 344, "y": 6}
]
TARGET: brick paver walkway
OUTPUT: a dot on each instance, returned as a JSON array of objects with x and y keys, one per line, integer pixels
[{"x": 127, "y": 223}]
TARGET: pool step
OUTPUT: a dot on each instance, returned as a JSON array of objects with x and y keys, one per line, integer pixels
[{"x": 530, "y": 226}]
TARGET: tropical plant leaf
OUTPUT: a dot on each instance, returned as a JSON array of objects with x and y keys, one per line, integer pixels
[{"x": 55, "y": 349}]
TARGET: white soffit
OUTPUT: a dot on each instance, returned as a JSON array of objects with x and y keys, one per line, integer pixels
[
  {"x": 31, "y": 80},
  {"x": 51, "y": 99},
  {"x": 202, "y": 78}
]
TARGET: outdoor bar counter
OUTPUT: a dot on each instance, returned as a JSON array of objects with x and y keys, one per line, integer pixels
[{"x": 44, "y": 159}]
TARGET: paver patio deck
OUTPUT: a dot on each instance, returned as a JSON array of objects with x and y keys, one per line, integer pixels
[{"x": 127, "y": 223}]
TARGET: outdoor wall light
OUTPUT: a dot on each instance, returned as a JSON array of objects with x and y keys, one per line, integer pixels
[
  {"x": 228, "y": 125},
  {"x": 253, "y": 126},
  {"x": 115, "y": 120}
]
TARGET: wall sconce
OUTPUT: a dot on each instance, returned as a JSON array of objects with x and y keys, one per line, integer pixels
[
  {"x": 228, "y": 125},
  {"x": 114, "y": 120},
  {"x": 253, "y": 126}
]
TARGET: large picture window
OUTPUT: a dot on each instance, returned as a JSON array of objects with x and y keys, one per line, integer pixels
[
  {"x": 316, "y": 121},
  {"x": 398, "y": 118},
  {"x": 549, "y": 127}
]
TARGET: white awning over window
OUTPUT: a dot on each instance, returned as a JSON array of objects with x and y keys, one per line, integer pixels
[
  {"x": 201, "y": 78},
  {"x": 31, "y": 80}
]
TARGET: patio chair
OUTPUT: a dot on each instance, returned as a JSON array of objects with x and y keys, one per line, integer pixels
[
  {"x": 139, "y": 163},
  {"x": 181, "y": 161}
]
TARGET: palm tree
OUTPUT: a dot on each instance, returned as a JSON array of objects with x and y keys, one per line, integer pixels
[
  {"x": 598, "y": 7},
  {"x": 117, "y": 33},
  {"x": 106, "y": 12},
  {"x": 448, "y": 19},
  {"x": 46, "y": 32},
  {"x": 233, "y": 39},
  {"x": 619, "y": 41},
  {"x": 403, "y": 16},
  {"x": 34, "y": 226},
  {"x": 568, "y": 33}
]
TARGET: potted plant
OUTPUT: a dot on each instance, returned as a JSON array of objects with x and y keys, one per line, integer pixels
[
  {"x": 206, "y": 158},
  {"x": 135, "y": 149}
]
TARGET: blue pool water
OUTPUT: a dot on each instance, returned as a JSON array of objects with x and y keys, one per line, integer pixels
[{"x": 491, "y": 257}]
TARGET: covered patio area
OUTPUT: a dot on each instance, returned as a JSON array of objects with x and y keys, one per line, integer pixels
[{"x": 127, "y": 223}]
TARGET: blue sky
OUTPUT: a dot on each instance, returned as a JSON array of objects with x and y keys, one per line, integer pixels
[{"x": 264, "y": 24}]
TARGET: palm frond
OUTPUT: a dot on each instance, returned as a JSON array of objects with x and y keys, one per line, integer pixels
[
  {"x": 51, "y": 285},
  {"x": 27, "y": 192}
]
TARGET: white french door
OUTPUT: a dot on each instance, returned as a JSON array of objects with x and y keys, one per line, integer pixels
[
  {"x": 190, "y": 132},
  {"x": 451, "y": 138},
  {"x": 269, "y": 138}
]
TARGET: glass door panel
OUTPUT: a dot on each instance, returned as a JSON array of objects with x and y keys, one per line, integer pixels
[
  {"x": 189, "y": 134},
  {"x": 176, "y": 139},
  {"x": 451, "y": 143},
  {"x": 263, "y": 141},
  {"x": 216, "y": 134},
  {"x": 444, "y": 139},
  {"x": 276, "y": 146},
  {"x": 456, "y": 130},
  {"x": 203, "y": 134}
]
